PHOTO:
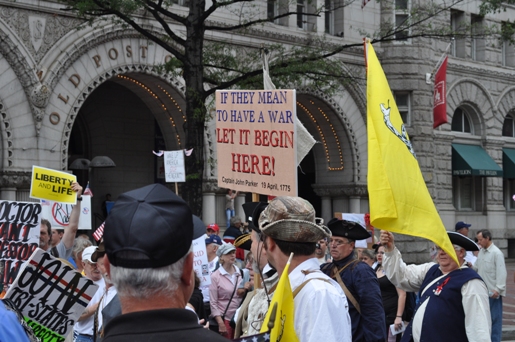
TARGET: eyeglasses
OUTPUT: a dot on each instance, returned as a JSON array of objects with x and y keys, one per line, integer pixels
[{"x": 338, "y": 242}]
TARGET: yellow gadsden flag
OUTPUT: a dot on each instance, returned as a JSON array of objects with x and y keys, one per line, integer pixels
[
  {"x": 284, "y": 329},
  {"x": 399, "y": 199}
]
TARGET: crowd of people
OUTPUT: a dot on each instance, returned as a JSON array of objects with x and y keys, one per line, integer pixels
[{"x": 148, "y": 290}]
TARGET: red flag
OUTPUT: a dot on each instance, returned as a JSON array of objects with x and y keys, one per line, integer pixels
[{"x": 440, "y": 101}]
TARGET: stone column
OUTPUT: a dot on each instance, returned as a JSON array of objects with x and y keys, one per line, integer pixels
[
  {"x": 209, "y": 201},
  {"x": 327, "y": 208},
  {"x": 8, "y": 194},
  {"x": 495, "y": 210},
  {"x": 354, "y": 204},
  {"x": 442, "y": 179},
  {"x": 11, "y": 181},
  {"x": 238, "y": 201}
]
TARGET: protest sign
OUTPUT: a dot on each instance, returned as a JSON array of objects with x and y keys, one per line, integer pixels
[
  {"x": 174, "y": 166},
  {"x": 256, "y": 141},
  {"x": 200, "y": 263},
  {"x": 50, "y": 295},
  {"x": 58, "y": 214},
  {"x": 52, "y": 185},
  {"x": 19, "y": 236}
]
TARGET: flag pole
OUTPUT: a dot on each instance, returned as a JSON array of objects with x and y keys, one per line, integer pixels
[{"x": 441, "y": 58}]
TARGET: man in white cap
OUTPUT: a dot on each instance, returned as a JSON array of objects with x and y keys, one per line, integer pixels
[
  {"x": 453, "y": 302},
  {"x": 83, "y": 330},
  {"x": 288, "y": 225}
]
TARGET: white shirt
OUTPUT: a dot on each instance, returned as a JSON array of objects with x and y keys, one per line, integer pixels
[
  {"x": 85, "y": 327},
  {"x": 470, "y": 257},
  {"x": 109, "y": 295},
  {"x": 491, "y": 267},
  {"x": 321, "y": 308},
  {"x": 474, "y": 296}
]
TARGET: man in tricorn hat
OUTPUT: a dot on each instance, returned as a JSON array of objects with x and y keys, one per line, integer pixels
[
  {"x": 357, "y": 280},
  {"x": 453, "y": 302},
  {"x": 288, "y": 225}
]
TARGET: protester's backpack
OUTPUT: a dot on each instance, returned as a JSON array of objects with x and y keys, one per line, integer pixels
[{"x": 9, "y": 305}]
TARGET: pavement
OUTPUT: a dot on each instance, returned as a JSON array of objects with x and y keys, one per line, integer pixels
[{"x": 508, "y": 315}]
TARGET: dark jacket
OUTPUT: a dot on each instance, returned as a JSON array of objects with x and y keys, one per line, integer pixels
[
  {"x": 158, "y": 326},
  {"x": 362, "y": 283}
]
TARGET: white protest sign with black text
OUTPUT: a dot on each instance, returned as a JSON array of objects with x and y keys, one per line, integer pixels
[
  {"x": 19, "y": 236},
  {"x": 50, "y": 295},
  {"x": 200, "y": 263},
  {"x": 174, "y": 166}
]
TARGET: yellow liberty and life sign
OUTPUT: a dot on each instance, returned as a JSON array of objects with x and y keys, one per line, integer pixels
[{"x": 52, "y": 185}]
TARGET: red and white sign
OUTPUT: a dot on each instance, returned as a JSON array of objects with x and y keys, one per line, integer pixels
[{"x": 256, "y": 141}]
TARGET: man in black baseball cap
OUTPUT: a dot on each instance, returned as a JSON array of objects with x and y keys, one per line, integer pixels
[{"x": 148, "y": 236}]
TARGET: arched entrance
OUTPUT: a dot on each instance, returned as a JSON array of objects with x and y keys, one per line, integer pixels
[{"x": 126, "y": 118}]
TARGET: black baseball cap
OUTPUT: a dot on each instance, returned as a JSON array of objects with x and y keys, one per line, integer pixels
[
  {"x": 461, "y": 225},
  {"x": 149, "y": 227}
]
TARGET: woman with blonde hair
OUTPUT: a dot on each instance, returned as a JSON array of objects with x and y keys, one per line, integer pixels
[{"x": 224, "y": 297}]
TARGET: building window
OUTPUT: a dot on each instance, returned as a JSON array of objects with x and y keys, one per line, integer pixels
[
  {"x": 461, "y": 121},
  {"x": 468, "y": 192},
  {"x": 458, "y": 27},
  {"x": 478, "y": 42},
  {"x": 403, "y": 101},
  {"x": 301, "y": 14},
  {"x": 509, "y": 191},
  {"x": 272, "y": 10},
  {"x": 333, "y": 17},
  {"x": 185, "y": 3},
  {"x": 508, "y": 49},
  {"x": 329, "y": 17},
  {"x": 508, "y": 129},
  {"x": 402, "y": 20}
]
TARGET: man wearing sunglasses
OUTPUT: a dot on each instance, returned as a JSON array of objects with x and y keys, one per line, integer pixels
[
  {"x": 453, "y": 303},
  {"x": 357, "y": 280}
]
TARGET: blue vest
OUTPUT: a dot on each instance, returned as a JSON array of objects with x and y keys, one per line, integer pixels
[{"x": 444, "y": 318}]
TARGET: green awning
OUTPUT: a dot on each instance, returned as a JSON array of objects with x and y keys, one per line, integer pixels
[
  {"x": 472, "y": 160},
  {"x": 508, "y": 162}
]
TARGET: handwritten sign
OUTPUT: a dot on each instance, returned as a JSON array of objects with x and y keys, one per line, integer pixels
[
  {"x": 58, "y": 214},
  {"x": 19, "y": 236},
  {"x": 52, "y": 185},
  {"x": 256, "y": 141},
  {"x": 174, "y": 166},
  {"x": 50, "y": 295},
  {"x": 200, "y": 263}
]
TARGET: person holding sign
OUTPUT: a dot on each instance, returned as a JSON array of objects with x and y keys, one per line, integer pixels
[
  {"x": 148, "y": 241},
  {"x": 65, "y": 246}
]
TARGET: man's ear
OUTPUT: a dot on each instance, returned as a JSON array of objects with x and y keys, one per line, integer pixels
[{"x": 186, "y": 277}]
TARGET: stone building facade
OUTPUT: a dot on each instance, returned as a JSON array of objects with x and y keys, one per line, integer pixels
[{"x": 69, "y": 90}]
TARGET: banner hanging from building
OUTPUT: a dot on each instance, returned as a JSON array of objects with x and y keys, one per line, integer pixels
[
  {"x": 52, "y": 185},
  {"x": 256, "y": 141},
  {"x": 440, "y": 95},
  {"x": 50, "y": 295},
  {"x": 19, "y": 237}
]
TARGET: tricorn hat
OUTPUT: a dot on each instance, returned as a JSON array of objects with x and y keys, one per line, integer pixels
[
  {"x": 462, "y": 241},
  {"x": 243, "y": 241},
  {"x": 292, "y": 219},
  {"x": 348, "y": 229}
]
